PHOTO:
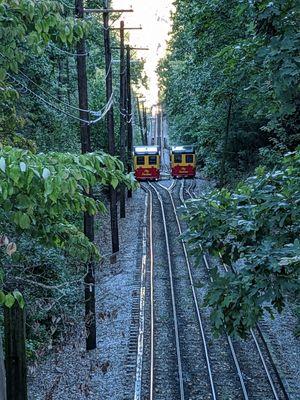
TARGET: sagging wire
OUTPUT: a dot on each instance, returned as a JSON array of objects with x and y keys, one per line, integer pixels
[
  {"x": 68, "y": 52},
  {"x": 107, "y": 107},
  {"x": 108, "y": 70},
  {"x": 53, "y": 97},
  {"x": 95, "y": 113},
  {"x": 66, "y": 5},
  {"x": 121, "y": 112}
]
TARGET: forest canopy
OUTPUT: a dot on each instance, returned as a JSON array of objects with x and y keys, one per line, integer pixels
[
  {"x": 230, "y": 85},
  {"x": 230, "y": 82}
]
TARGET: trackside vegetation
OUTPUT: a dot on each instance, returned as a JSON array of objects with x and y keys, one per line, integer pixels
[
  {"x": 230, "y": 85},
  {"x": 41, "y": 195},
  {"x": 254, "y": 229},
  {"x": 230, "y": 82},
  {"x": 44, "y": 181}
]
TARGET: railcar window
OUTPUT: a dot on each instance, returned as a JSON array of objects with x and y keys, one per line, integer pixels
[
  {"x": 189, "y": 158},
  {"x": 152, "y": 160},
  {"x": 177, "y": 158},
  {"x": 140, "y": 160}
]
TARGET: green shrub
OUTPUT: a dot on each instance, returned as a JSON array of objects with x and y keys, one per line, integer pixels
[{"x": 255, "y": 229}]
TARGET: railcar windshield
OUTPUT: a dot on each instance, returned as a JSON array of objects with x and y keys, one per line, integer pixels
[
  {"x": 140, "y": 160},
  {"x": 183, "y": 150},
  {"x": 189, "y": 158},
  {"x": 177, "y": 158},
  {"x": 152, "y": 160}
]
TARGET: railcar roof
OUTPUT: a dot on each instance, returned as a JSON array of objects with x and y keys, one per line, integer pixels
[
  {"x": 183, "y": 149},
  {"x": 146, "y": 150}
]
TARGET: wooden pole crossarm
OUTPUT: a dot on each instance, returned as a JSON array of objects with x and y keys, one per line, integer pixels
[
  {"x": 126, "y": 29},
  {"x": 139, "y": 48},
  {"x": 132, "y": 48},
  {"x": 105, "y": 10},
  {"x": 131, "y": 62}
]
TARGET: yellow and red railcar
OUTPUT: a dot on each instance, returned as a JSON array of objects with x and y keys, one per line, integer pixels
[
  {"x": 183, "y": 162},
  {"x": 146, "y": 160}
]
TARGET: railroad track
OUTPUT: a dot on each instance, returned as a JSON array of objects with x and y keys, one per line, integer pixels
[
  {"x": 197, "y": 309},
  {"x": 273, "y": 377},
  {"x": 203, "y": 370},
  {"x": 178, "y": 357}
]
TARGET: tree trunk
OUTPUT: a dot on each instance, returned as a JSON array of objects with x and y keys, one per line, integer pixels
[
  {"x": 225, "y": 147},
  {"x": 15, "y": 353},
  {"x": 2, "y": 373}
]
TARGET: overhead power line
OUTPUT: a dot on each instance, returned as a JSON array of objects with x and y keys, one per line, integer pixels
[
  {"x": 65, "y": 4},
  {"x": 107, "y": 107},
  {"x": 68, "y": 52},
  {"x": 95, "y": 113}
]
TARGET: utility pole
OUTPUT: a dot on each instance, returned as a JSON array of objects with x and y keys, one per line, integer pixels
[
  {"x": 129, "y": 114},
  {"x": 129, "y": 106},
  {"x": 226, "y": 138},
  {"x": 140, "y": 120},
  {"x": 15, "y": 353},
  {"x": 110, "y": 129},
  {"x": 145, "y": 124},
  {"x": 89, "y": 280},
  {"x": 158, "y": 118},
  {"x": 122, "y": 117},
  {"x": 123, "y": 108}
]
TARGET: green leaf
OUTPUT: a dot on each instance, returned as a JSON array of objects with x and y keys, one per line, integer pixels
[
  {"x": 9, "y": 300},
  {"x": 2, "y": 297},
  {"x": 114, "y": 182},
  {"x": 20, "y": 299},
  {"x": 46, "y": 173},
  {"x": 24, "y": 221},
  {"x": 23, "y": 167}
]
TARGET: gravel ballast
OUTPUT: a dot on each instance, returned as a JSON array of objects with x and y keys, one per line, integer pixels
[{"x": 69, "y": 373}]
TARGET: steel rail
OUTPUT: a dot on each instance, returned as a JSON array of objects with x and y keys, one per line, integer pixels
[
  {"x": 270, "y": 380},
  {"x": 173, "y": 185},
  {"x": 141, "y": 334},
  {"x": 233, "y": 353},
  {"x": 150, "y": 206},
  {"x": 204, "y": 341},
  {"x": 177, "y": 342},
  {"x": 276, "y": 396},
  {"x": 151, "y": 296}
]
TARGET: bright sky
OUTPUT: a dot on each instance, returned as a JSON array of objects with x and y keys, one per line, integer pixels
[{"x": 154, "y": 17}]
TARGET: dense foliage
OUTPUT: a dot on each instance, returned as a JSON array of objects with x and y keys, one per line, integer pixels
[
  {"x": 255, "y": 229},
  {"x": 230, "y": 82},
  {"x": 38, "y": 76},
  {"x": 43, "y": 195},
  {"x": 40, "y": 194},
  {"x": 26, "y": 29}
]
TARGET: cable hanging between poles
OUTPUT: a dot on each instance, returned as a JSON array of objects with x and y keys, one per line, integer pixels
[
  {"x": 95, "y": 113},
  {"x": 107, "y": 107},
  {"x": 55, "y": 98},
  {"x": 68, "y": 52},
  {"x": 65, "y": 4}
]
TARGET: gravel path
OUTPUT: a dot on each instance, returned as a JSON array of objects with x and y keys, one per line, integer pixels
[{"x": 70, "y": 373}]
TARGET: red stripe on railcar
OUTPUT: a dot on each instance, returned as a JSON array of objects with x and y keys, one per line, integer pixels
[
  {"x": 187, "y": 171},
  {"x": 146, "y": 173}
]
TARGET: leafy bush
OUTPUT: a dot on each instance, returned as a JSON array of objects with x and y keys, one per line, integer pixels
[
  {"x": 255, "y": 229},
  {"x": 51, "y": 284},
  {"x": 41, "y": 194}
]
